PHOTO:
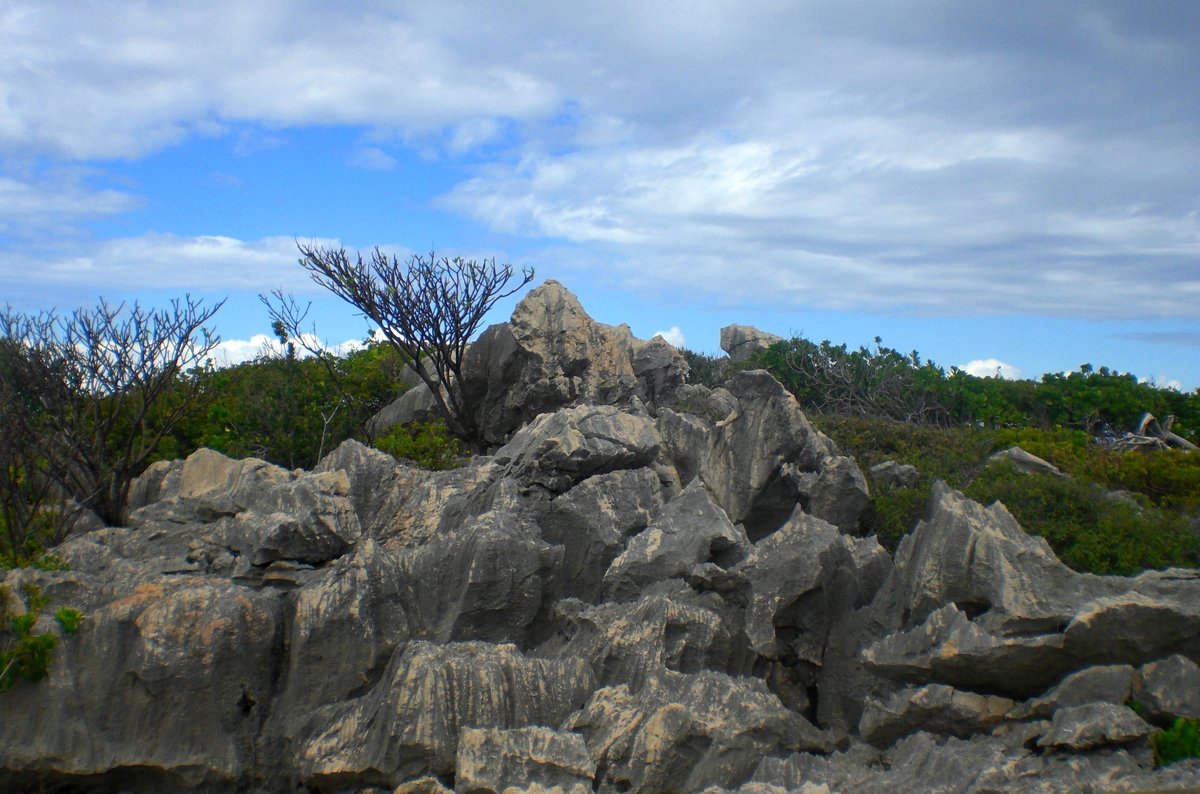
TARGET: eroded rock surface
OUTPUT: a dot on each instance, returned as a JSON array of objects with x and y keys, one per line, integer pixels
[{"x": 649, "y": 586}]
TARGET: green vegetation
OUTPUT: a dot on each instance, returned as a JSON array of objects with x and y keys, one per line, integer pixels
[
  {"x": 882, "y": 382},
  {"x": 427, "y": 308},
  {"x": 429, "y": 445},
  {"x": 1181, "y": 740},
  {"x": 25, "y": 654},
  {"x": 1118, "y": 512},
  {"x": 290, "y": 410}
]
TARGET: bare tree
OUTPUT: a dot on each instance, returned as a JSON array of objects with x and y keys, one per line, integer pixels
[
  {"x": 100, "y": 388},
  {"x": 427, "y": 308}
]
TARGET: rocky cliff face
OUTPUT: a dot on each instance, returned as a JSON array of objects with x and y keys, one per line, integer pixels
[{"x": 650, "y": 586}]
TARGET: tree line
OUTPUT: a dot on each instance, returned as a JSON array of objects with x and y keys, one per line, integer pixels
[{"x": 885, "y": 383}]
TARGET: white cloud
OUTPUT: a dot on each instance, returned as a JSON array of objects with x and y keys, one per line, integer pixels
[
  {"x": 991, "y": 368},
  {"x": 236, "y": 351},
  {"x": 782, "y": 154},
  {"x": 169, "y": 261},
  {"x": 372, "y": 158},
  {"x": 674, "y": 336},
  {"x": 100, "y": 80}
]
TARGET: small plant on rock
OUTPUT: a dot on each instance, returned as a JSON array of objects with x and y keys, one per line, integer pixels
[{"x": 1180, "y": 741}]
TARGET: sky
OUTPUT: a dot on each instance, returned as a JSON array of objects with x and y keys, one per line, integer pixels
[{"x": 1008, "y": 188}]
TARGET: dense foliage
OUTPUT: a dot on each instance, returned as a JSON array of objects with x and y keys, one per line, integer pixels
[{"x": 290, "y": 410}]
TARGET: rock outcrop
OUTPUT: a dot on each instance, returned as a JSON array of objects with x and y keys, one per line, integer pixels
[
  {"x": 648, "y": 586},
  {"x": 741, "y": 342}
]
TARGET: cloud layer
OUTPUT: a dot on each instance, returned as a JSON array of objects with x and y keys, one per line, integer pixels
[{"x": 925, "y": 158}]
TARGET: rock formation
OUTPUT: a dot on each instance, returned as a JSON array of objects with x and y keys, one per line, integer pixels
[{"x": 648, "y": 586}]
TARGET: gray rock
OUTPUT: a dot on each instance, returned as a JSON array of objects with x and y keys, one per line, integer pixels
[
  {"x": 173, "y": 677},
  {"x": 1169, "y": 688},
  {"x": 665, "y": 576},
  {"x": 592, "y": 521},
  {"x": 743, "y": 341},
  {"x": 483, "y": 581},
  {"x": 801, "y": 580},
  {"x": 690, "y": 530},
  {"x": 765, "y": 457},
  {"x": 1101, "y": 684},
  {"x": 685, "y": 732},
  {"x": 902, "y": 475},
  {"x": 669, "y": 628},
  {"x": 411, "y": 721},
  {"x": 1093, "y": 725},
  {"x": 495, "y": 760},
  {"x": 1026, "y": 462},
  {"x": 935, "y": 708},
  {"x": 557, "y": 450}
]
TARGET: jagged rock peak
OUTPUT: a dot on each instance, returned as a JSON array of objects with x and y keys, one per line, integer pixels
[{"x": 551, "y": 354}]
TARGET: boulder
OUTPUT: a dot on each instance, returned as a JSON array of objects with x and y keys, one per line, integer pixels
[
  {"x": 690, "y": 530},
  {"x": 935, "y": 708},
  {"x": 686, "y": 732},
  {"x": 1094, "y": 725},
  {"x": 901, "y": 475},
  {"x": 1100, "y": 684},
  {"x": 1026, "y": 462},
  {"x": 558, "y": 449},
  {"x": 1168, "y": 688},
  {"x": 743, "y": 341}
]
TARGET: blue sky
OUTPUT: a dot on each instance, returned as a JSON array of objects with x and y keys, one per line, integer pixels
[{"x": 1009, "y": 185}]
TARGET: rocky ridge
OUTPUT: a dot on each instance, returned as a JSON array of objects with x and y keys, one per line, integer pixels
[{"x": 647, "y": 586}]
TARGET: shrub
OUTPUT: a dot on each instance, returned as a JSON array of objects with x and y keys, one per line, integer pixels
[
  {"x": 429, "y": 445},
  {"x": 1087, "y": 528},
  {"x": 1181, "y": 740},
  {"x": 24, "y": 654}
]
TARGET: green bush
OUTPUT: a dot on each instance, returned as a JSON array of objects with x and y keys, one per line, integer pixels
[
  {"x": 429, "y": 445},
  {"x": 1088, "y": 529},
  {"x": 24, "y": 654},
  {"x": 1181, "y": 740},
  {"x": 68, "y": 618}
]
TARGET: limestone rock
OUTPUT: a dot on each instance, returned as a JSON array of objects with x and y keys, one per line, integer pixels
[
  {"x": 685, "y": 732},
  {"x": 669, "y": 628},
  {"x": 765, "y": 457},
  {"x": 173, "y": 678},
  {"x": 591, "y": 523},
  {"x": 1100, "y": 684},
  {"x": 495, "y": 760},
  {"x": 743, "y": 341},
  {"x": 1169, "y": 688},
  {"x": 936, "y": 708},
  {"x": 411, "y": 721},
  {"x": 902, "y": 475},
  {"x": 552, "y": 355},
  {"x": 1093, "y": 725},
  {"x": 647, "y": 586},
  {"x": 801, "y": 580},
  {"x": 557, "y": 450},
  {"x": 1026, "y": 462},
  {"x": 690, "y": 530}
]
